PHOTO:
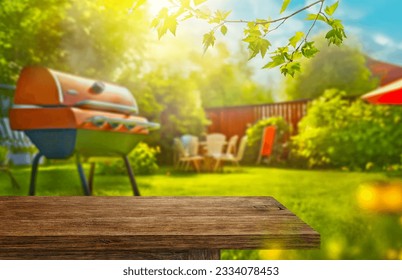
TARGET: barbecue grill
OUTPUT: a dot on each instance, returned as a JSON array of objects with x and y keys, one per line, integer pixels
[{"x": 64, "y": 114}]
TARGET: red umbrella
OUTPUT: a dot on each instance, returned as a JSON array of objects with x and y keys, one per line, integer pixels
[{"x": 390, "y": 94}]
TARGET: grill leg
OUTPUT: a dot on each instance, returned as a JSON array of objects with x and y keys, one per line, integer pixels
[
  {"x": 82, "y": 177},
  {"x": 91, "y": 176},
  {"x": 131, "y": 176},
  {"x": 34, "y": 171}
]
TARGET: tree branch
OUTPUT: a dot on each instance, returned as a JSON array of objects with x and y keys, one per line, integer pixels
[
  {"x": 312, "y": 26},
  {"x": 283, "y": 19}
]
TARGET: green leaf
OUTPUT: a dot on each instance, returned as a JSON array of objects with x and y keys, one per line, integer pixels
[
  {"x": 335, "y": 36},
  {"x": 224, "y": 29},
  {"x": 188, "y": 16},
  {"x": 252, "y": 30},
  {"x": 290, "y": 68},
  {"x": 171, "y": 24},
  {"x": 198, "y": 2},
  {"x": 155, "y": 22},
  {"x": 309, "y": 50},
  {"x": 250, "y": 39},
  {"x": 209, "y": 40},
  {"x": 316, "y": 17},
  {"x": 185, "y": 3},
  {"x": 264, "y": 45},
  {"x": 258, "y": 46},
  {"x": 203, "y": 13},
  {"x": 162, "y": 29},
  {"x": 337, "y": 24},
  {"x": 295, "y": 39},
  {"x": 330, "y": 10},
  {"x": 285, "y": 4},
  {"x": 221, "y": 15},
  {"x": 137, "y": 4},
  {"x": 276, "y": 61},
  {"x": 163, "y": 13}
]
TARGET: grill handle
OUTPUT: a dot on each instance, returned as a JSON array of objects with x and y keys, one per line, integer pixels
[
  {"x": 106, "y": 106},
  {"x": 99, "y": 120},
  {"x": 97, "y": 87}
]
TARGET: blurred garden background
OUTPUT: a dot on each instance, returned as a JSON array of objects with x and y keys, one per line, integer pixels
[{"x": 336, "y": 161}]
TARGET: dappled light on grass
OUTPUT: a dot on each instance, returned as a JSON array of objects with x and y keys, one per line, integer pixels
[
  {"x": 334, "y": 248},
  {"x": 394, "y": 254},
  {"x": 381, "y": 197},
  {"x": 276, "y": 254}
]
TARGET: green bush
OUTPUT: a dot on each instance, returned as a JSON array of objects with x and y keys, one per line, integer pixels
[
  {"x": 3, "y": 155},
  {"x": 254, "y": 134},
  {"x": 349, "y": 134},
  {"x": 142, "y": 160}
]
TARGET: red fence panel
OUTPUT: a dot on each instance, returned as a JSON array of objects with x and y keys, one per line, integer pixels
[{"x": 235, "y": 120}]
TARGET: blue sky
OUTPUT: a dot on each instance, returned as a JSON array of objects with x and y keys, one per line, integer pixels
[{"x": 375, "y": 24}]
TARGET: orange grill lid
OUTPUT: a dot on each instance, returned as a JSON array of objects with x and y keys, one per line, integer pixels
[{"x": 45, "y": 87}]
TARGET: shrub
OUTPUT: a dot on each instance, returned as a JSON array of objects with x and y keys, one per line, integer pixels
[
  {"x": 3, "y": 155},
  {"x": 255, "y": 133},
  {"x": 349, "y": 134},
  {"x": 142, "y": 160}
]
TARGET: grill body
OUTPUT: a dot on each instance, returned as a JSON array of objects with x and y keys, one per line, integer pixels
[{"x": 64, "y": 114}]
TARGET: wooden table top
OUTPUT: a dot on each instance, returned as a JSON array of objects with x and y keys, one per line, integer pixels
[{"x": 147, "y": 223}]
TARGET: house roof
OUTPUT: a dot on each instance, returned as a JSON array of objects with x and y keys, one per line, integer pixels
[{"x": 386, "y": 72}]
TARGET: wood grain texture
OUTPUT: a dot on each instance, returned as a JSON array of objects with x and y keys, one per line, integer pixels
[
  {"x": 106, "y": 225},
  {"x": 44, "y": 254}
]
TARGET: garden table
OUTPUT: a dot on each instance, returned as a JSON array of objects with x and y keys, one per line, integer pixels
[{"x": 146, "y": 227}]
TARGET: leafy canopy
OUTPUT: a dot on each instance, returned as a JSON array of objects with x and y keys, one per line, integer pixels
[{"x": 256, "y": 32}]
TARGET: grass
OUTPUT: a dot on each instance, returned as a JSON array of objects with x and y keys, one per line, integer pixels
[{"x": 326, "y": 200}]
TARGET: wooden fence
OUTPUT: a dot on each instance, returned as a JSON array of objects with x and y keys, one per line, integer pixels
[{"x": 235, "y": 120}]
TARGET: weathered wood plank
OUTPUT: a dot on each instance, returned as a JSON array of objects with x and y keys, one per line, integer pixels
[
  {"x": 96, "y": 225},
  {"x": 43, "y": 254}
]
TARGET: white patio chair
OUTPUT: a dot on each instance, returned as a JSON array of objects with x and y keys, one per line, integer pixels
[
  {"x": 214, "y": 144},
  {"x": 230, "y": 152},
  {"x": 230, "y": 157},
  {"x": 185, "y": 157}
]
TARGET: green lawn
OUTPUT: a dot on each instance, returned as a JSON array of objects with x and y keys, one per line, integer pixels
[{"x": 326, "y": 200}]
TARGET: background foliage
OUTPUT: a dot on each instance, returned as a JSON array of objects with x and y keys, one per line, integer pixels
[
  {"x": 89, "y": 38},
  {"x": 338, "y": 132},
  {"x": 341, "y": 67},
  {"x": 226, "y": 79}
]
